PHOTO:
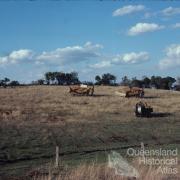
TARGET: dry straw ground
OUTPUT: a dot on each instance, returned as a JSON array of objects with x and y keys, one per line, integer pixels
[
  {"x": 103, "y": 172},
  {"x": 33, "y": 120}
]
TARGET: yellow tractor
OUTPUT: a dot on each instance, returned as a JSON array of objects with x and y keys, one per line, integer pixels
[
  {"x": 131, "y": 92},
  {"x": 81, "y": 90}
]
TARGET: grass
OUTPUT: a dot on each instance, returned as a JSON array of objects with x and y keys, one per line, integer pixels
[
  {"x": 84, "y": 127},
  {"x": 94, "y": 171}
]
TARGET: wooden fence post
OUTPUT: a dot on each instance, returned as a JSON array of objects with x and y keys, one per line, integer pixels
[{"x": 57, "y": 156}]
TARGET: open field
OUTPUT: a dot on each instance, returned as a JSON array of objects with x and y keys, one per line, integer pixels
[
  {"x": 102, "y": 171},
  {"x": 40, "y": 117}
]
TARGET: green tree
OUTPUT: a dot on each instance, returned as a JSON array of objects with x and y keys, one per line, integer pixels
[
  {"x": 14, "y": 83},
  {"x": 146, "y": 82},
  {"x": 48, "y": 77},
  {"x": 136, "y": 83},
  {"x": 4, "y": 82},
  {"x": 98, "y": 80},
  {"x": 40, "y": 81},
  {"x": 106, "y": 79},
  {"x": 125, "y": 81}
]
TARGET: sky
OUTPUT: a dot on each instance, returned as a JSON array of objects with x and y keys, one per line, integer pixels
[{"x": 132, "y": 38}]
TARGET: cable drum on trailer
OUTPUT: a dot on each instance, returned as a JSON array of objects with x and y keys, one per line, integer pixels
[
  {"x": 143, "y": 110},
  {"x": 139, "y": 109}
]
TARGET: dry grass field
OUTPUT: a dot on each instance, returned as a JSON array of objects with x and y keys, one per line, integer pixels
[
  {"x": 103, "y": 172},
  {"x": 34, "y": 119}
]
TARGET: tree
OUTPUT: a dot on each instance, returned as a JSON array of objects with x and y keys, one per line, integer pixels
[
  {"x": 48, "y": 77},
  {"x": 53, "y": 77},
  {"x": 106, "y": 79},
  {"x": 146, "y": 82},
  {"x": 156, "y": 81},
  {"x": 74, "y": 77},
  {"x": 40, "y": 81},
  {"x": 166, "y": 83},
  {"x": 125, "y": 81},
  {"x": 162, "y": 83},
  {"x": 62, "y": 78},
  {"x": 4, "y": 82},
  {"x": 98, "y": 80},
  {"x": 14, "y": 83},
  {"x": 66, "y": 77},
  {"x": 136, "y": 83}
]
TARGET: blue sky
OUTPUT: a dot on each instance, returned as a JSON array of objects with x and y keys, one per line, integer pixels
[{"x": 133, "y": 38}]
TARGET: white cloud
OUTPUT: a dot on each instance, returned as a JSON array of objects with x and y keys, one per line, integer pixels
[
  {"x": 71, "y": 54},
  {"x": 20, "y": 54},
  {"x": 140, "y": 28},
  {"x": 63, "y": 56},
  {"x": 102, "y": 64},
  {"x": 172, "y": 58},
  {"x": 131, "y": 58},
  {"x": 170, "y": 11},
  {"x": 177, "y": 25},
  {"x": 165, "y": 13},
  {"x": 128, "y": 10},
  {"x": 128, "y": 58},
  {"x": 16, "y": 56}
]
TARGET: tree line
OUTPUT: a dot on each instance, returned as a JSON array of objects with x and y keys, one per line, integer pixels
[
  {"x": 7, "y": 82},
  {"x": 62, "y": 78},
  {"x": 58, "y": 78},
  {"x": 156, "y": 82}
]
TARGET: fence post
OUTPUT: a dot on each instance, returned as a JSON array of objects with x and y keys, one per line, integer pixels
[{"x": 57, "y": 156}]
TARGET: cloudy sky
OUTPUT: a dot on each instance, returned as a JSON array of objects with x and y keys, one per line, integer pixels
[{"x": 93, "y": 37}]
